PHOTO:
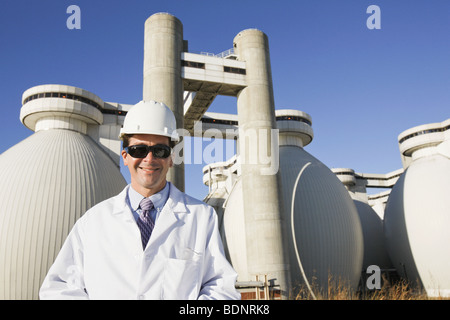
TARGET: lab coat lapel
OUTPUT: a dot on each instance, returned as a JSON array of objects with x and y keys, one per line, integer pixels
[
  {"x": 171, "y": 216},
  {"x": 121, "y": 207}
]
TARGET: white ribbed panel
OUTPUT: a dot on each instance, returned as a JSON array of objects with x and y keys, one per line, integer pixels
[{"x": 47, "y": 182}]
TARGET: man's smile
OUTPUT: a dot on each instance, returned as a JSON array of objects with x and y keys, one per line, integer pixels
[{"x": 149, "y": 169}]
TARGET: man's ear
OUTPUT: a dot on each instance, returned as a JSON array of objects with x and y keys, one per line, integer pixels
[{"x": 124, "y": 157}]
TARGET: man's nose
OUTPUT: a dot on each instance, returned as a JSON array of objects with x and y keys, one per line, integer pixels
[{"x": 149, "y": 157}]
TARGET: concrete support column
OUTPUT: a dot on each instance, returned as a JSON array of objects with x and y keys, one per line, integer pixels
[
  {"x": 264, "y": 225},
  {"x": 163, "y": 44}
]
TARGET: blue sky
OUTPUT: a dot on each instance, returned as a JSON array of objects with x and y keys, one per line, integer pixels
[{"x": 362, "y": 87}]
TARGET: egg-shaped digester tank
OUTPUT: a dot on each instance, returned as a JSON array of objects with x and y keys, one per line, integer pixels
[
  {"x": 375, "y": 252},
  {"x": 47, "y": 182},
  {"x": 323, "y": 229},
  {"x": 326, "y": 243},
  {"x": 417, "y": 213}
]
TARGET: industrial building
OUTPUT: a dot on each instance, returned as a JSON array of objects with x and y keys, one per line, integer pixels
[{"x": 284, "y": 216}]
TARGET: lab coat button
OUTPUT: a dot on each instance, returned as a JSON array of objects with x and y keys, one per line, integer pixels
[{"x": 141, "y": 297}]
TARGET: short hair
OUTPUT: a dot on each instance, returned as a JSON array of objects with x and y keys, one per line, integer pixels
[{"x": 126, "y": 140}]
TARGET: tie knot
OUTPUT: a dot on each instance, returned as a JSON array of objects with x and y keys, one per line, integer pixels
[{"x": 146, "y": 204}]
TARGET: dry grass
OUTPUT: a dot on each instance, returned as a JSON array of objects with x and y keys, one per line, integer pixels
[
  {"x": 400, "y": 290},
  {"x": 397, "y": 290}
]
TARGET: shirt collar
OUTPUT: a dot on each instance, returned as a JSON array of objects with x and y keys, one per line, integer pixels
[{"x": 159, "y": 199}]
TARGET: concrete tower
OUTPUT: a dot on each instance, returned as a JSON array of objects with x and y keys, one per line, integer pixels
[
  {"x": 264, "y": 226},
  {"x": 163, "y": 44},
  {"x": 169, "y": 70}
]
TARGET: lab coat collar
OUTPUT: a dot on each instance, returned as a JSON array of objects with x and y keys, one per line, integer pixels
[
  {"x": 171, "y": 216},
  {"x": 159, "y": 199},
  {"x": 176, "y": 203}
]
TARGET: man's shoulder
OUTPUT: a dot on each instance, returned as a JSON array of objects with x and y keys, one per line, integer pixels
[
  {"x": 184, "y": 201},
  {"x": 188, "y": 200},
  {"x": 194, "y": 201},
  {"x": 108, "y": 205}
]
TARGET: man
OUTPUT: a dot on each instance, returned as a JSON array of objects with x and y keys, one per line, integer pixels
[{"x": 149, "y": 242}]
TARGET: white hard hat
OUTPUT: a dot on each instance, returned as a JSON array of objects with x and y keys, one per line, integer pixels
[{"x": 150, "y": 117}]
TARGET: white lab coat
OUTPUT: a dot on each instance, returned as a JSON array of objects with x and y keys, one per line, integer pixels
[{"x": 102, "y": 257}]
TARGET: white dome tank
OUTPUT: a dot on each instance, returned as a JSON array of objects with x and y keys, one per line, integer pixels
[
  {"x": 323, "y": 228},
  {"x": 47, "y": 182},
  {"x": 234, "y": 235},
  {"x": 417, "y": 216},
  {"x": 375, "y": 252}
]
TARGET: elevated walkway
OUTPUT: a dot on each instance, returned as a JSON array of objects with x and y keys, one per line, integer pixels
[{"x": 204, "y": 77}]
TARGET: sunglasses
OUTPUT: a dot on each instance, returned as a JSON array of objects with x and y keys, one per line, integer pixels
[{"x": 141, "y": 151}]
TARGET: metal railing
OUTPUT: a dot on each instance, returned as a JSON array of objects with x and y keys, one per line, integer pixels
[{"x": 223, "y": 54}]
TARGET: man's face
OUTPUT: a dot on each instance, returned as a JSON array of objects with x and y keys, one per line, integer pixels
[{"x": 148, "y": 175}]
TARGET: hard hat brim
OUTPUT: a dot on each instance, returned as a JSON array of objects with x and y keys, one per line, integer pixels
[{"x": 174, "y": 136}]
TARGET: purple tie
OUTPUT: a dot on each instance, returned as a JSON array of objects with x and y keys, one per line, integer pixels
[{"x": 145, "y": 222}]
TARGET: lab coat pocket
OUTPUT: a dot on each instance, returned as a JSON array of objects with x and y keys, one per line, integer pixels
[{"x": 181, "y": 279}]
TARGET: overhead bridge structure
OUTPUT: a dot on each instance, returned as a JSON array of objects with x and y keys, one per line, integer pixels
[{"x": 205, "y": 77}]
